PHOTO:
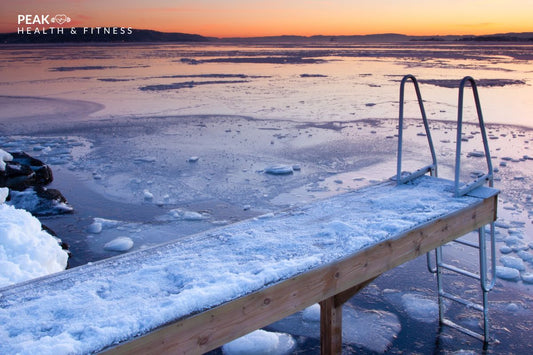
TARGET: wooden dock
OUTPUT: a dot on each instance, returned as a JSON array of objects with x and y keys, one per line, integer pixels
[{"x": 324, "y": 252}]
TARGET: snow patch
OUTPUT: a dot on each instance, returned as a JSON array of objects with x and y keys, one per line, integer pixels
[
  {"x": 4, "y": 192},
  {"x": 312, "y": 313},
  {"x": 4, "y": 157},
  {"x": 30, "y": 201},
  {"x": 261, "y": 342},
  {"x": 26, "y": 251}
]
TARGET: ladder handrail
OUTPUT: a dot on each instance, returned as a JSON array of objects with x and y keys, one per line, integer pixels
[
  {"x": 488, "y": 177},
  {"x": 487, "y": 285},
  {"x": 432, "y": 168}
]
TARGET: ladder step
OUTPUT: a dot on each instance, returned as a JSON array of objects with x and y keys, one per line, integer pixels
[
  {"x": 467, "y": 243},
  {"x": 460, "y": 271},
  {"x": 460, "y": 328},
  {"x": 457, "y": 299},
  {"x": 418, "y": 173}
]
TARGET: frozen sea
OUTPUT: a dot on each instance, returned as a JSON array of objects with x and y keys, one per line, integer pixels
[{"x": 151, "y": 143}]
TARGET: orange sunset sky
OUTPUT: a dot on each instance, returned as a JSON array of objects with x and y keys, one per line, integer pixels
[{"x": 245, "y": 18}]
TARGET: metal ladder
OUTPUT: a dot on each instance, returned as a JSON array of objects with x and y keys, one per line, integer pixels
[
  {"x": 460, "y": 189},
  {"x": 487, "y": 283}
]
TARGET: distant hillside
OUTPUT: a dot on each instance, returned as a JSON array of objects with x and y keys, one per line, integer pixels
[
  {"x": 383, "y": 38},
  {"x": 387, "y": 37},
  {"x": 136, "y": 35},
  {"x": 502, "y": 37},
  {"x": 120, "y": 35}
]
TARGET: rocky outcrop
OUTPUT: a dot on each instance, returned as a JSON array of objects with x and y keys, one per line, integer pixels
[
  {"x": 27, "y": 177},
  {"x": 24, "y": 171}
]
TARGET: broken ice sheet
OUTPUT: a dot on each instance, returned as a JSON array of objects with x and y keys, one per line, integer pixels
[{"x": 374, "y": 330}]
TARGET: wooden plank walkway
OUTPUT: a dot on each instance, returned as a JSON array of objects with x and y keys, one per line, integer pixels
[{"x": 279, "y": 264}]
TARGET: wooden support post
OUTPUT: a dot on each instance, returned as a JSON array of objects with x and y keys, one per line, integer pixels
[
  {"x": 330, "y": 327},
  {"x": 331, "y": 319}
]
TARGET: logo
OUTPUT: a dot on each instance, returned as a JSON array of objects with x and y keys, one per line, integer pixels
[
  {"x": 48, "y": 24},
  {"x": 42, "y": 19},
  {"x": 60, "y": 19}
]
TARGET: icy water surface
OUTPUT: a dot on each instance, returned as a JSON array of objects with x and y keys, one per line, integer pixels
[{"x": 154, "y": 142}]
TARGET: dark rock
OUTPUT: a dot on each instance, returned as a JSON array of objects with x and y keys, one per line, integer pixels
[
  {"x": 50, "y": 194},
  {"x": 15, "y": 169},
  {"x": 40, "y": 201},
  {"x": 25, "y": 171},
  {"x": 48, "y": 230},
  {"x": 16, "y": 177}
]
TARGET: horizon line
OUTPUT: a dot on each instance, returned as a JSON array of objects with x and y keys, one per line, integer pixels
[{"x": 300, "y": 35}]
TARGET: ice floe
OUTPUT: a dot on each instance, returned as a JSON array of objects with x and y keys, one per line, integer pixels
[
  {"x": 261, "y": 342},
  {"x": 183, "y": 215},
  {"x": 103, "y": 223},
  {"x": 526, "y": 256},
  {"x": 95, "y": 228},
  {"x": 513, "y": 262},
  {"x": 119, "y": 244},
  {"x": 279, "y": 169},
  {"x": 417, "y": 306},
  {"x": 507, "y": 273},
  {"x": 148, "y": 196},
  {"x": 476, "y": 154},
  {"x": 527, "y": 278},
  {"x": 505, "y": 249},
  {"x": 371, "y": 329}
]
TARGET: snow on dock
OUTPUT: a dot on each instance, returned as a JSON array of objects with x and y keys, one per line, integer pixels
[{"x": 95, "y": 306}]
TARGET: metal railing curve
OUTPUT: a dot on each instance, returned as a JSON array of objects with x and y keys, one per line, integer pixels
[{"x": 431, "y": 168}]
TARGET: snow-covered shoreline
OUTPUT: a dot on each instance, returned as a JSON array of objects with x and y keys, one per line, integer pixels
[{"x": 26, "y": 250}]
